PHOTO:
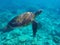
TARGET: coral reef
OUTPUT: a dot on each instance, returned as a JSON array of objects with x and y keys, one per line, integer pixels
[{"x": 48, "y": 32}]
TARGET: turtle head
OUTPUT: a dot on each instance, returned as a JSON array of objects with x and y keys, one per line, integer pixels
[{"x": 38, "y": 12}]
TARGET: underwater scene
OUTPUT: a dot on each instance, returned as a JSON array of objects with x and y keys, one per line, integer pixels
[{"x": 29, "y": 22}]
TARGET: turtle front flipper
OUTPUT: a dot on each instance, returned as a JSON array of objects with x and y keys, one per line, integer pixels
[{"x": 34, "y": 27}]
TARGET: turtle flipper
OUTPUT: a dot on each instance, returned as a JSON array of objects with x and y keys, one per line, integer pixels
[{"x": 34, "y": 27}]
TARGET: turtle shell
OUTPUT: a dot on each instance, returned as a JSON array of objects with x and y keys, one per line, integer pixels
[{"x": 22, "y": 19}]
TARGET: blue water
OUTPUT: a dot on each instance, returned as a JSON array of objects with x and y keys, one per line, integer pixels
[{"x": 48, "y": 32}]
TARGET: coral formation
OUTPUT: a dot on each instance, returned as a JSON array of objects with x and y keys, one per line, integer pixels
[{"x": 48, "y": 23}]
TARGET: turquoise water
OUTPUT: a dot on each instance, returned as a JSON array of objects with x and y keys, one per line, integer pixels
[{"x": 48, "y": 32}]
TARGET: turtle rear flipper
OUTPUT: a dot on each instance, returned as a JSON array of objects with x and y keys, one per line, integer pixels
[{"x": 34, "y": 27}]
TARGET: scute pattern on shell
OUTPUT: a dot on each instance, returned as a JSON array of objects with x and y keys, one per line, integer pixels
[{"x": 26, "y": 16}]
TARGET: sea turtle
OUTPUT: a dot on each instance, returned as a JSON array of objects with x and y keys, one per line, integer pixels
[{"x": 22, "y": 20}]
